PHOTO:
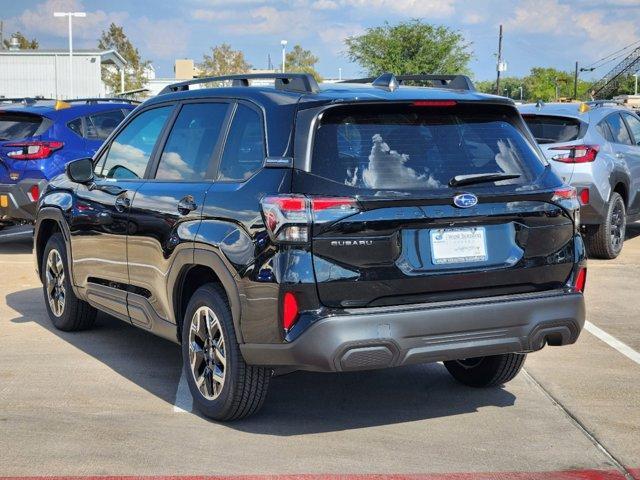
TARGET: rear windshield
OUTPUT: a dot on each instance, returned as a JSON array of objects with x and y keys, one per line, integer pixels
[
  {"x": 15, "y": 126},
  {"x": 419, "y": 148},
  {"x": 551, "y": 129}
]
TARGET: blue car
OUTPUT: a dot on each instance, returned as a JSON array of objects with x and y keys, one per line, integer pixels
[{"x": 39, "y": 137}]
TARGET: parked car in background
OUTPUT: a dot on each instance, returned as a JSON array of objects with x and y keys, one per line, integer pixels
[
  {"x": 594, "y": 146},
  {"x": 333, "y": 227},
  {"x": 39, "y": 137}
]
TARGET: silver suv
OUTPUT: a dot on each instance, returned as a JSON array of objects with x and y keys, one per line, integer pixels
[{"x": 594, "y": 146}]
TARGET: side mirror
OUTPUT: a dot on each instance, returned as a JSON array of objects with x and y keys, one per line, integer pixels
[{"x": 80, "y": 171}]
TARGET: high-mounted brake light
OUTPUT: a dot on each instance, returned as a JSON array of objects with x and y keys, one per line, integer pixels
[
  {"x": 35, "y": 150},
  {"x": 576, "y": 153},
  {"x": 289, "y": 310},
  {"x": 288, "y": 217},
  {"x": 434, "y": 103}
]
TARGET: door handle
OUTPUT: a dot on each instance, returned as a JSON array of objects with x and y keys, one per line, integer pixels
[
  {"x": 187, "y": 205},
  {"x": 122, "y": 203}
]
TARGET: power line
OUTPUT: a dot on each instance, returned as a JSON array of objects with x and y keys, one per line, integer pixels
[{"x": 593, "y": 65}]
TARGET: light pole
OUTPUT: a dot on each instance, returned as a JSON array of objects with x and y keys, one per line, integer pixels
[
  {"x": 520, "y": 92},
  {"x": 70, "y": 15},
  {"x": 284, "y": 58},
  {"x": 636, "y": 89}
]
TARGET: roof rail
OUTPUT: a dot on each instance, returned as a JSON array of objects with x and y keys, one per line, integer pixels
[
  {"x": 26, "y": 100},
  {"x": 602, "y": 103},
  {"x": 290, "y": 82},
  {"x": 456, "y": 82},
  {"x": 93, "y": 101}
]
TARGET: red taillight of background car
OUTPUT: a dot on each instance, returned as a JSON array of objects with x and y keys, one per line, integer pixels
[
  {"x": 576, "y": 153},
  {"x": 288, "y": 217},
  {"x": 289, "y": 310},
  {"x": 35, "y": 150},
  {"x": 581, "y": 279},
  {"x": 583, "y": 196}
]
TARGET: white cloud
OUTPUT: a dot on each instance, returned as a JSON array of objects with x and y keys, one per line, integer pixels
[
  {"x": 161, "y": 38},
  {"x": 324, "y": 5},
  {"x": 412, "y": 8}
]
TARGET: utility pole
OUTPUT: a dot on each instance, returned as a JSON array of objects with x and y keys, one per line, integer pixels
[
  {"x": 499, "y": 65},
  {"x": 575, "y": 83}
]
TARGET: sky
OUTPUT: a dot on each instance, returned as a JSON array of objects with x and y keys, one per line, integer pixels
[{"x": 554, "y": 33}]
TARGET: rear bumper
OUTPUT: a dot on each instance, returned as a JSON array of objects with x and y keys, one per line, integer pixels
[
  {"x": 595, "y": 212},
  {"x": 372, "y": 338},
  {"x": 19, "y": 206}
]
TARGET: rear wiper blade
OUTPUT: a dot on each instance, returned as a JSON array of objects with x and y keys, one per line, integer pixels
[{"x": 460, "y": 180}]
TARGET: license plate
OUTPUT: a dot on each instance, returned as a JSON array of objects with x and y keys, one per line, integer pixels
[
  {"x": 458, "y": 245},
  {"x": 4, "y": 201}
]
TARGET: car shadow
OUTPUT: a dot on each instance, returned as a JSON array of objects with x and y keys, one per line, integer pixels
[
  {"x": 632, "y": 231},
  {"x": 297, "y": 403}
]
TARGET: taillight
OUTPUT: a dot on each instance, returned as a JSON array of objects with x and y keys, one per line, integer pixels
[
  {"x": 581, "y": 280},
  {"x": 33, "y": 150},
  {"x": 34, "y": 193},
  {"x": 576, "y": 153},
  {"x": 564, "y": 193},
  {"x": 288, "y": 217},
  {"x": 289, "y": 310}
]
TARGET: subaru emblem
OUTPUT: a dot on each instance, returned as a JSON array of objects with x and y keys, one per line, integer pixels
[{"x": 465, "y": 200}]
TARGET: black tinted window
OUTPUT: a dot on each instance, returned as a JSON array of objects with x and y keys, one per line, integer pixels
[
  {"x": 416, "y": 148},
  {"x": 15, "y": 126},
  {"x": 634, "y": 126},
  {"x": 618, "y": 129},
  {"x": 100, "y": 125},
  {"x": 550, "y": 129},
  {"x": 131, "y": 150},
  {"x": 244, "y": 151},
  {"x": 605, "y": 131},
  {"x": 76, "y": 126},
  {"x": 191, "y": 143}
]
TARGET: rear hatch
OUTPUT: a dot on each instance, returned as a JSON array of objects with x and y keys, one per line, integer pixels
[
  {"x": 16, "y": 129},
  {"x": 553, "y": 133},
  {"x": 412, "y": 234}
]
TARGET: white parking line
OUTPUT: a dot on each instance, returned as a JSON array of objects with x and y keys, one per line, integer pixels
[
  {"x": 183, "y": 402},
  {"x": 623, "y": 348}
]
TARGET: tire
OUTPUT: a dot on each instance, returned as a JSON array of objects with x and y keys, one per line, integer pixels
[
  {"x": 66, "y": 311},
  {"x": 488, "y": 371},
  {"x": 606, "y": 240},
  {"x": 222, "y": 385}
]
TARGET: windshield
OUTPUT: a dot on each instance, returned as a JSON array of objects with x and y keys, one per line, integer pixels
[
  {"x": 420, "y": 148},
  {"x": 551, "y": 129},
  {"x": 16, "y": 126}
]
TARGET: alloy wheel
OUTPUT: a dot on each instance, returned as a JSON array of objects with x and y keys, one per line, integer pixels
[
  {"x": 54, "y": 278},
  {"x": 207, "y": 355},
  {"x": 618, "y": 226}
]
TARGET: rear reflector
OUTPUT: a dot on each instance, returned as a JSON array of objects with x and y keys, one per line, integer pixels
[
  {"x": 581, "y": 279},
  {"x": 33, "y": 150},
  {"x": 289, "y": 310},
  {"x": 576, "y": 153},
  {"x": 34, "y": 193},
  {"x": 434, "y": 103},
  {"x": 583, "y": 196}
]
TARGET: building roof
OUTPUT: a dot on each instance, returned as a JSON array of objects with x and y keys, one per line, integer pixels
[{"x": 109, "y": 57}]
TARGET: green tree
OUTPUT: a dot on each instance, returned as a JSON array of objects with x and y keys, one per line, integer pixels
[
  {"x": 223, "y": 60},
  {"x": 410, "y": 47},
  {"x": 23, "y": 42},
  {"x": 134, "y": 78},
  {"x": 302, "y": 61}
]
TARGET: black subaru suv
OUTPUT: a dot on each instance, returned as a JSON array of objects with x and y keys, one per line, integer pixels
[{"x": 361, "y": 225}]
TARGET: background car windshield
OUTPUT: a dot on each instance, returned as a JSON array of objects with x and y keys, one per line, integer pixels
[
  {"x": 552, "y": 129},
  {"x": 414, "y": 148},
  {"x": 17, "y": 126}
]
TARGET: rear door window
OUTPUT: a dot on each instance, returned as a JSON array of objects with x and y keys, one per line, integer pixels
[
  {"x": 100, "y": 125},
  {"x": 189, "y": 150},
  {"x": 416, "y": 148},
  {"x": 634, "y": 126},
  {"x": 618, "y": 129},
  {"x": 16, "y": 126},
  {"x": 244, "y": 152}
]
